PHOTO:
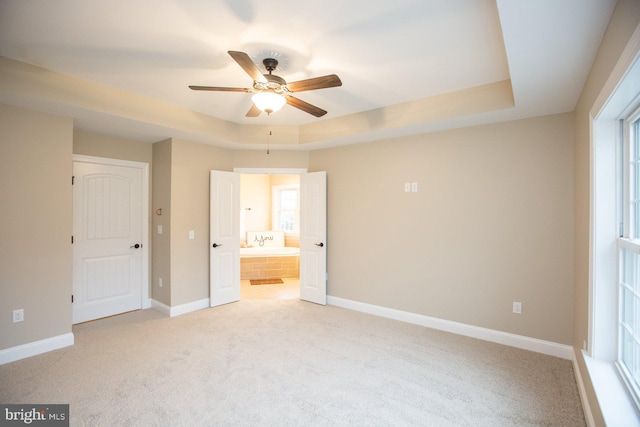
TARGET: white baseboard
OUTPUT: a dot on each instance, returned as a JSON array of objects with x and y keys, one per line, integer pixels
[
  {"x": 34, "y": 348},
  {"x": 162, "y": 308},
  {"x": 505, "y": 338},
  {"x": 586, "y": 408},
  {"x": 180, "y": 309}
]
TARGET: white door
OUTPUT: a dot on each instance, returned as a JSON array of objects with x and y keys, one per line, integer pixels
[
  {"x": 108, "y": 219},
  {"x": 224, "y": 243},
  {"x": 313, "y": 237}
]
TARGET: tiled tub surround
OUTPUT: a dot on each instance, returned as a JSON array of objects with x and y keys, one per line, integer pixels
[
  {"x": 269, "y": 267},
  {"x": 267, "y": 257}
]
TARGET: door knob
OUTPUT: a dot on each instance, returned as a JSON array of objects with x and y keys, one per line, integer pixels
[
  {"x": 215, "y": 245},
  {"x": 136, "y": 246},
  {"x": 320, "y": 244}
]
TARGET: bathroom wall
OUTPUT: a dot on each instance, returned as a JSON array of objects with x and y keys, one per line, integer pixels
[{"x": 256, "y": 203}]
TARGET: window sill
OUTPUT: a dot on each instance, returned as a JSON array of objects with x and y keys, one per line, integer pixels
[{"x": 618, "y": 408}]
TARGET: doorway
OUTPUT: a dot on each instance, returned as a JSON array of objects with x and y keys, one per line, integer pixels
[{"x": 269, "y": 205}]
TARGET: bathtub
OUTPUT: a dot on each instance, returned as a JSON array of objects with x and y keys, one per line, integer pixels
[
  {"x": 267, "y": 257},
  {"x": 269, "y": 263}
]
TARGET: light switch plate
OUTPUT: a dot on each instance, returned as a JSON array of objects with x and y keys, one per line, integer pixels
[{"x": 517, "y": 307}]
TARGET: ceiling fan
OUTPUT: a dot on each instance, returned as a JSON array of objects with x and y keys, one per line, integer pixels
[{"x": 271, "y": 91}]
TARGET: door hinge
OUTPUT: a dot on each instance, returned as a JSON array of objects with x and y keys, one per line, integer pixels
[
  {"x": 72, "y": 240},
  {"x": 73, "y": 180},
  {"x": 71, "y": 297}
]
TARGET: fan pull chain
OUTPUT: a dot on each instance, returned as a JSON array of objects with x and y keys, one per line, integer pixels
[{"x": 268, "y": 141}]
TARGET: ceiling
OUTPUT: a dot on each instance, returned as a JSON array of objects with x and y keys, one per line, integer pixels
[{"x": 407, "y": 66}]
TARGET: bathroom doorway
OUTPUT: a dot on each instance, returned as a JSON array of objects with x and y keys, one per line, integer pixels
[
  {"x": 225, "y": 233},
  {"x": 270, "y": 205}
]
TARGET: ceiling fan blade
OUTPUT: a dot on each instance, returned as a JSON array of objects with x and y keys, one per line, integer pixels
[
  {"x": 305, "y": 106},
  {"x": 220, "y": 89},
  {"x": 253, "y": 111},
  {"x": 248, "y": 66},
  {"x": 315, "y": 83}
]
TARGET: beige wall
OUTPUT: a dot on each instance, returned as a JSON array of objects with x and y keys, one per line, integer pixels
[
  {"x": 190, "y": 166},
  {"x": 624, "y": 21},
  {"x": 492, "y": 223},
  {"x": 91, "y": 144},
  {"x": 35, "y": 225},
  {"x": 161, "y": 216},
  {"x": 275, "y": 159}
]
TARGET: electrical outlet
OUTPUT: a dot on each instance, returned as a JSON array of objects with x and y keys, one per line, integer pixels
[
  {"x": 18, "y": 315},
  {"x": 414, "y": 187},
  {"x": 160, "y": 281},
  {"x": 517, "y": 307}
]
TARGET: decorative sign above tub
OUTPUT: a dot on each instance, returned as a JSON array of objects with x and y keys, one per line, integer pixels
[{"x": 265, "y": 238}]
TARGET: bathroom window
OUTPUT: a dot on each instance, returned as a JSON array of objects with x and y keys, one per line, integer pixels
[
  {"x": 286, "y": 213},
  {"x": 628, "y": 360}
]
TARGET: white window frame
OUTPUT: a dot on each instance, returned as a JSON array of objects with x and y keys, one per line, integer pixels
[
  {"x": 629, "y": 239},
  {"x": 275, "y": 194}
]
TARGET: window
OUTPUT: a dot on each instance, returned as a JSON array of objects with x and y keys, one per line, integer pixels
[
  {"x": 628, "y": 355},
  {"x": 286, "y": 211},
  {"x": 614, "y": 269}
]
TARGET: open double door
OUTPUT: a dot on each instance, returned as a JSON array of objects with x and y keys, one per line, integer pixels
[{"x": 224, "y": 243}]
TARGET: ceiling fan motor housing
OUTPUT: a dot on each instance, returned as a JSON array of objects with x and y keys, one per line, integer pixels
[{"x": 270, "y": 64}]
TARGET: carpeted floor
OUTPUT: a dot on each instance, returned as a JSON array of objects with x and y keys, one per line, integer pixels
[{"x": 290, "y": 363}]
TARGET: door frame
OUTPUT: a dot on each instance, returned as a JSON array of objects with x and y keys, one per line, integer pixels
[{"x": 146, "y": 222}]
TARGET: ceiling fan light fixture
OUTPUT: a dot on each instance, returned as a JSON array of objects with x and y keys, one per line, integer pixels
[{"x": 269, "y": 102}]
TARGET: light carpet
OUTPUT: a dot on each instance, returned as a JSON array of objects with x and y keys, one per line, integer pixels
[{"x": 290, "y": 363}]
